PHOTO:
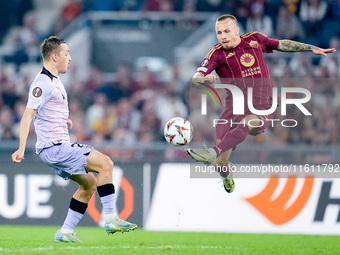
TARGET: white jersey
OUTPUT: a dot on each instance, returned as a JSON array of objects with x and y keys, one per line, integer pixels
[{"x": 48, "y": 97}]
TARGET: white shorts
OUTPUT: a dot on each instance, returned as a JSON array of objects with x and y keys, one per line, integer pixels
[{"x": 66, "y": 159}]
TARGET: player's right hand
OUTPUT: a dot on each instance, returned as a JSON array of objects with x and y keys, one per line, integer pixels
[
  {"x": 210, "y": 79},
  {"x": 18, "y": 156}
]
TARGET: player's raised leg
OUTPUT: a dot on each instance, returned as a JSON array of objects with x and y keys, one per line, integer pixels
[
  {"x": 219, "y": 154},
  {"x": 103, "y": 165},
  {"x": 230, "y": 140}
]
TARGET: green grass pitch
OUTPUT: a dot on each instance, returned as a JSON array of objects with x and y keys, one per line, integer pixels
[{"x": 39, "y": 240}]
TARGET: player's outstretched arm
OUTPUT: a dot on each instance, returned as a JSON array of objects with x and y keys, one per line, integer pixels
[
  {"x": 293, "y": 46},
  {"x": 25, "y": 123},
  {"x": 199, "y": 79}
]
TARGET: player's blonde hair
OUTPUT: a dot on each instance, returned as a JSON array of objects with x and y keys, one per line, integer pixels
[
  {"x": 228, "y": 16},
  {"x": 50, "y": 45}
]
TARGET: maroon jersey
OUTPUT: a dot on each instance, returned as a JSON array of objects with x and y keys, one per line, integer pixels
[{"x": 243, "y": 66}]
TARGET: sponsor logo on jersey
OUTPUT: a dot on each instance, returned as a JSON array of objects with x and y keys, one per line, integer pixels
[{"x": 247, "y": 59}]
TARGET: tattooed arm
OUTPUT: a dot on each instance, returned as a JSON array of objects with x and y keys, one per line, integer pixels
[{"x": 293, "y": 46}]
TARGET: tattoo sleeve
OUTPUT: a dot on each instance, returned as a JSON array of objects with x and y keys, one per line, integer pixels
[{"x": 293, "y": 46}]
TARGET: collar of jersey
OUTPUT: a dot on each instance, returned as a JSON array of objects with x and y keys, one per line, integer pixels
[{"x": 48, "y": 73}]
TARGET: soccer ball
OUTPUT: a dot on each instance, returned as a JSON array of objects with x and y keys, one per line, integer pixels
[{"x": 178, "y": 131}]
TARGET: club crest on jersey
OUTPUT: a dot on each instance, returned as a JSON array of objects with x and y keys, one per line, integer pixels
[
  {"x": 37, "y": 92},
  {"x": 254, "y": 44},
  {"x": 205, "y": 62},
  {"x": 247, "y": 59}
]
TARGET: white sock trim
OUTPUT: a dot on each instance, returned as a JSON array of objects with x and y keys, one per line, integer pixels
[
  {"x": 66, "y": 231},
  {"x": 109, "y": 217},
  {"x": 212, "y": 153}
]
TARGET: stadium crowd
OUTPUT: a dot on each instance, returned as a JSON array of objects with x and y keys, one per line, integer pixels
[{"x": 135, "y": 105}]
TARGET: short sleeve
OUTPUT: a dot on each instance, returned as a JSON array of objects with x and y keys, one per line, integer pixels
[
  {"x": 269, "y": 44},
  {"x": 39, "y": 93},
  {"x": 209, "y": 63}
]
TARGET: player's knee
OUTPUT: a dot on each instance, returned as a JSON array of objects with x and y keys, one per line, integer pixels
[{"x": 107, "y": 164}]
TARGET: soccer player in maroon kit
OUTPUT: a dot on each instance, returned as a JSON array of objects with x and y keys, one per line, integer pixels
[{"x": 239, "y": 60}]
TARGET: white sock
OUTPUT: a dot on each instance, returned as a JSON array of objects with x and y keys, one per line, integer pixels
[
  {"x": 66, "y": 231},
  {"x": 109, "y": 217},
  {"x": 108, "y": 203},
  {"x": 212, "y": 153},
  {"x": 72, "y": 220}
]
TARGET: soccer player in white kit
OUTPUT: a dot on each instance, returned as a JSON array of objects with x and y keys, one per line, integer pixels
[{"x": 47, "y": 106}]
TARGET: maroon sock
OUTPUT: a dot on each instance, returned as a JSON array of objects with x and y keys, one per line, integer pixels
[
  {"x": 231, "y": 139},
  {"x": 223, "y": 171}
]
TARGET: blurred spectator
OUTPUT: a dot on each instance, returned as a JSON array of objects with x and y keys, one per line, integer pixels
[
  {"x": 122, "y": 136},
  {"x": 24, "y": 40},
  {"x": 107, "y": 5},
  {"x": 95, "y": 80},
  {"x": 312, "y": 12},
  {"x": 17, "y": 113},
  {"x": 292, "y": 5},
  {"x": 132, "y": 5},
  {"x": 288, "y": 25},
  {"x": 76, "y": 112},
  {"x": 301, "y": 64},
  {"x": 17, "y": 10},
  {"x": 95, "y": 112},
  {"x": 71, "y": 10},
  {"x": 332, "y": 62},
  {"x": 334, "y": 9},
  {"x": 145, "y": 80},
  {"x": 124, "y": 82},
  {"x": 150, "y": 126},
  {"x": 6, "y": 123},
  {"x": 77, "y": 115},
  {"x": 202, "y": 124},
  {"x": 121, "y": 87},
  {"x": 159, "y": 5},
  {"x": 127, "y": 116},
  {"x": 327, "y": 132},
  {"x": 308, "y": 133},
  {"x": 175, "y": 82},
  {"x": 210, "y": 6},
  {"x": 169, "y": 105},
  {"x": 258, "y": 21},
  {"x": 77, "y": 91},
  {"x": 9, "y": 94},
  {"x": 104, "y": 126}
]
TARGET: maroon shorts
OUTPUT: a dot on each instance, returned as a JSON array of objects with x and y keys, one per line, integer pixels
[{"x": 229, "y": 121}]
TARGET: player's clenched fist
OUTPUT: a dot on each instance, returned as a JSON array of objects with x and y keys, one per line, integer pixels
[{"x": 18, "y": 156}]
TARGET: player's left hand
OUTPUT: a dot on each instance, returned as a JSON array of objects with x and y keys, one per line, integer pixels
[
  {"x": 18, "y": 156},
  {"x": 70, "y": 123},
  {"x": 323, "y": 52}
]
